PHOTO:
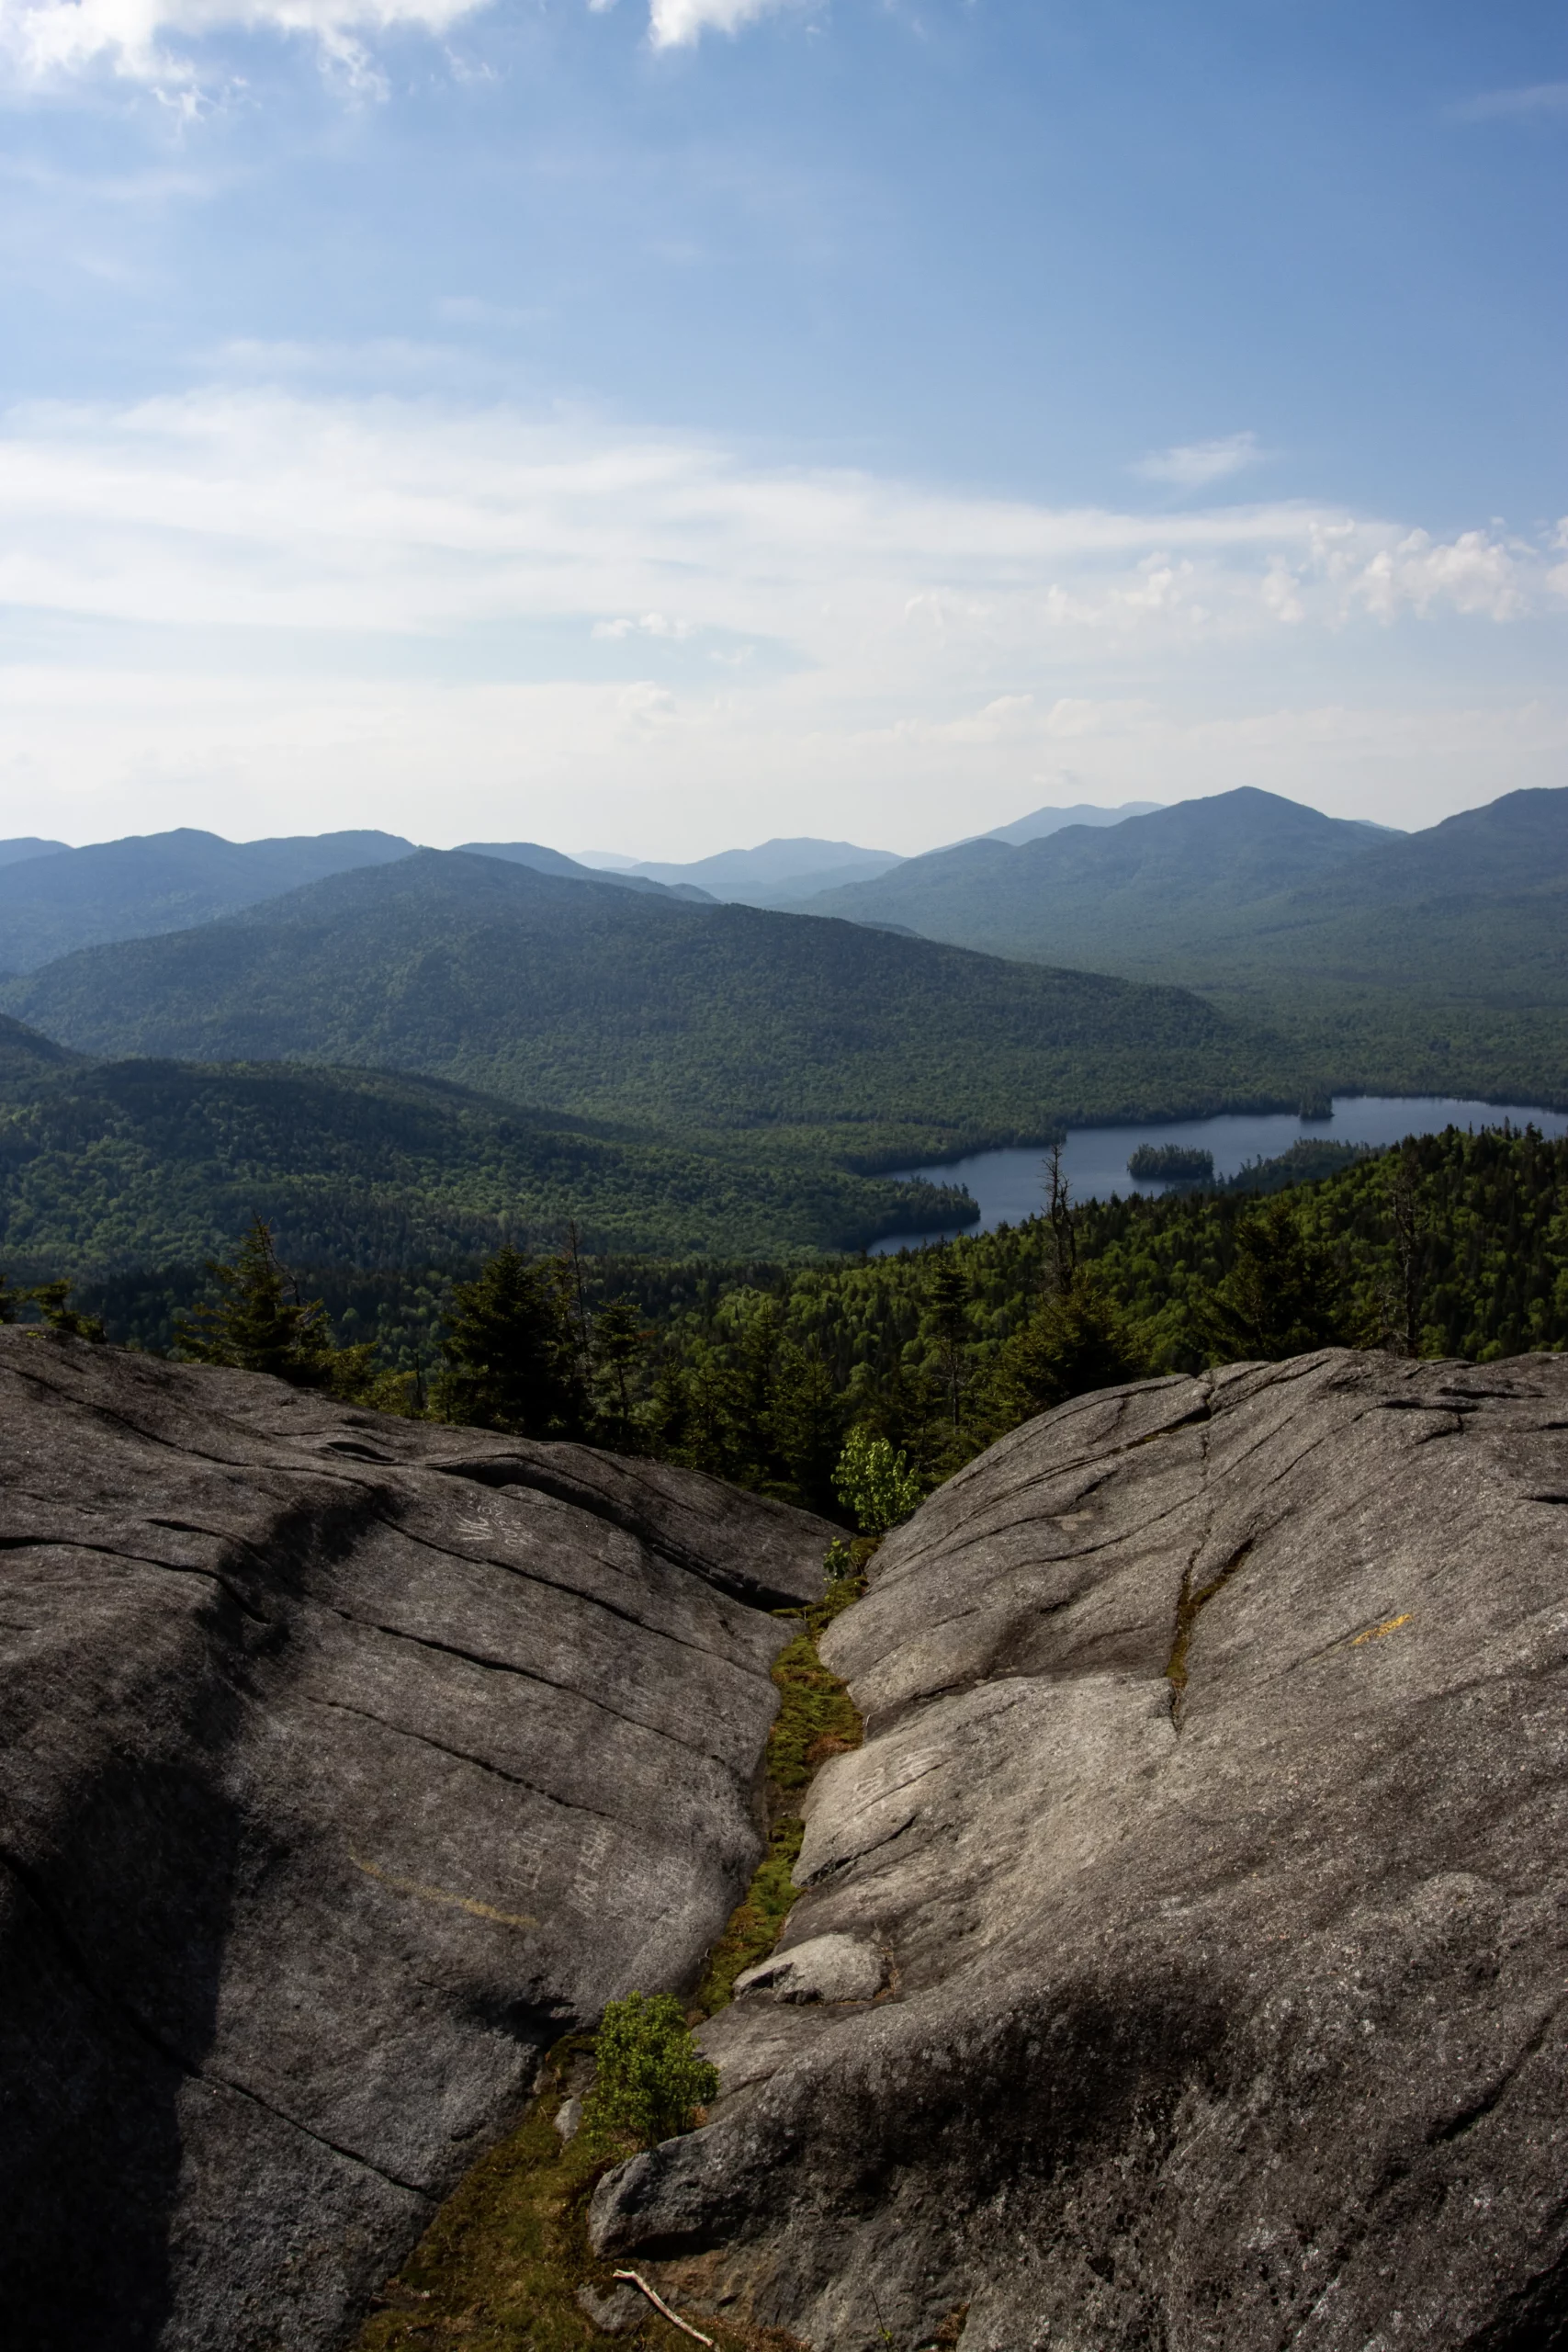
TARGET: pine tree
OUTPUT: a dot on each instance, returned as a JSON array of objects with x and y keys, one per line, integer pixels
[
  {"x": 1079, "y": 1339},
  {"x": 1281, "y": 1298},
  {"x": 260, "y": 1325},
  {"x": 619, "y": 1344},
  {"x": 511, "y": 1353},
  {"x": 947, "y": 1319}
]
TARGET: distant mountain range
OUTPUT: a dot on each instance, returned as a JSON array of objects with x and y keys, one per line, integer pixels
[
  {"x": 1044, "y": 821},
  {"x": 774, "y": 874},
  {"x": 151, "y": 883},
  {"x": 1084, "y": 892},
  {"x": 1432, "y": 961},
  {"x": 554, "y": 861},
  {"x": 784, "y": 873},
  {"x": 25, "y": 845},
  {"x": 53, "y": 903},
  {"x": 589, "y": 997}
]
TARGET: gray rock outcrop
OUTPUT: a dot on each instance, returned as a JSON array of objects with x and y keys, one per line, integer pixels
[
  {"x": 1213, "y": 1817},
  {"x": 344, "y": 1763}
]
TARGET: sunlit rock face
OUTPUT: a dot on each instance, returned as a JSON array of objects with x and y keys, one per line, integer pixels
[
  {"x": 1212, "y": 1831},
  {"x": 344, "y": 1762}
]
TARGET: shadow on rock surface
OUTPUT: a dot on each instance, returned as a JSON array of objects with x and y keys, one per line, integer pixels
[{"x": 346, "y": 1761}]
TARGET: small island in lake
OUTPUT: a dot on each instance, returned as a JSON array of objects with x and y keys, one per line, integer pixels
[{"x": 1172, "y": 1163}]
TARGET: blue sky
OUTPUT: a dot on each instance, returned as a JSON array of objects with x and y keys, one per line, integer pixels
[{"x": 658, "y": 426}]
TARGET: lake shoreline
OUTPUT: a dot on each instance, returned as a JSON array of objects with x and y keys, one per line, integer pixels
[{"x": 1005, "y": 1183}]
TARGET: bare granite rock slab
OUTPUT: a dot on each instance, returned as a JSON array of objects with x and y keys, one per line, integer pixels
[
  {"x": 1214, "y": 1814},
  {"x": 344, "y": 1763},
  {"x": 825, "y": 1968}
]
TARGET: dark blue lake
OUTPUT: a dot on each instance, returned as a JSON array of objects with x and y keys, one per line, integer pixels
[{"x": 1007, "y": 1184}]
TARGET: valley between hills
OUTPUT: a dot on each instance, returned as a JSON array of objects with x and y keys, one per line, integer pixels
[{"x": 412, "y": 1055}]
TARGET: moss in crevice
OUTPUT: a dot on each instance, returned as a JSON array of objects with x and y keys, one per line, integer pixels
[
  {"x": 817, "y": 1719},
  {"x": 500, "y": 2265}
]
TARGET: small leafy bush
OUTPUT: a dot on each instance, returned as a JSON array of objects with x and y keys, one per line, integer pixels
[
  {"x": 874, "y": 1482},
  {"x": 651, "y": 2078}
]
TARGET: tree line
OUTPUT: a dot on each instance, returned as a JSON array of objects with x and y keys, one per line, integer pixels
[{"x": 852, "y": 1385}]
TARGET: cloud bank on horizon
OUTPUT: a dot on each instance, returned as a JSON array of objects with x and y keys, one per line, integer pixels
[{"x": 282, "y": 591}]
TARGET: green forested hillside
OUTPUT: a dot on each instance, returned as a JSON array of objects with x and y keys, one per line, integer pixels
[
  {"x": 1450, "y": 1245},
  {"x": 596, "y": 1001},
  {"x": 154, "y": 882},
  {"x": 1436, "y": 962},
  {"x": 147, "y": 1163}
]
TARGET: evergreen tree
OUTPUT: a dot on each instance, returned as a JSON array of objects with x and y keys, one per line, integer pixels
[
  {"x": 619, "y": 1344},
  {"x": 805, "y": 1426},
  {"x": 511, "y": 1354},
  {"x": 947, "y": 1319},
  {"x": 1282, "y": 1296},
  {"x": 53, "y": 1301},
  {"x": 1078, "y": 1340},
  {"x": 261, "y": 1324}
]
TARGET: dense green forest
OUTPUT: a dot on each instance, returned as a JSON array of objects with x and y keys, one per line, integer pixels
[
  {"x": 124, "y": 1165},
  {"x": 757, "y": 1369},
  {"x": 861, "y": 1045}
]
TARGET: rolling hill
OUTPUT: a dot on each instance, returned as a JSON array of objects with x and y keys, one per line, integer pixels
[
  {"x": 582, "y": 997},
  {"x": 52, "y": 904},
  {"x": 114, "y": 1166}
]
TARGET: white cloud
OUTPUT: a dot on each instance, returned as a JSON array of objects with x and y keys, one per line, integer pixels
[
  {"x": 251, "y": 593},
  {"x": 1192, "y": 465},
  {"x": 44, "y": 38},
  {"x": 678, "y": 24},
  {"x": 49, "y": 37}
]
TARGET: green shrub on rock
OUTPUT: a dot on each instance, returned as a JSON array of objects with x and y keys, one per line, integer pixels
[
  {"x": 874, "y": 1482},
  {"x": 651, "y": 2078}
]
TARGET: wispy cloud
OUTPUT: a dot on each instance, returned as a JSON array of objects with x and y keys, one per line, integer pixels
[
  {"x": 254, "y": 590},
  {"x": 1534, "y": 98},
  {"x": 46, "y": 39},
  {"x": 1192, "y": 465}
]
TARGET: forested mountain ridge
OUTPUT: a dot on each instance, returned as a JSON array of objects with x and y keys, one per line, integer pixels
[
  {"x": 22, "y": 846},
  {"x": 109, "y": 1166},
  {"x": 555, "y": 861},
  {"x": 70, "y": 899},
  {"x": 587, "y": 998},
  {"x": 1433, "y": 961},
  {"x": 1086, "y": 889}
]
